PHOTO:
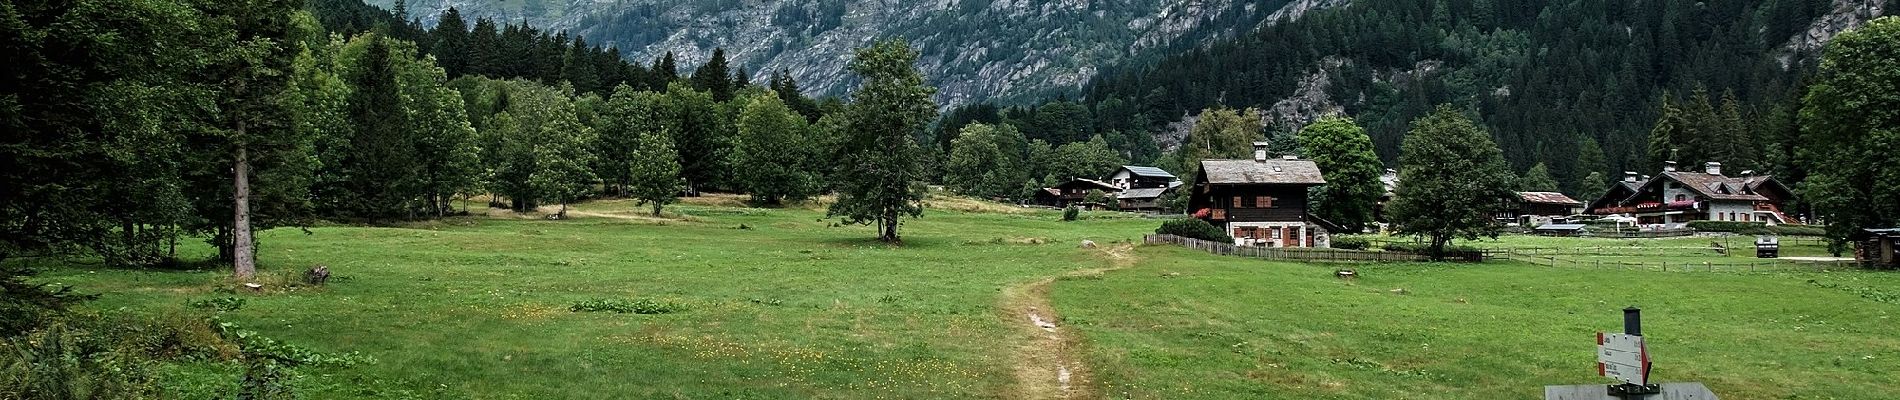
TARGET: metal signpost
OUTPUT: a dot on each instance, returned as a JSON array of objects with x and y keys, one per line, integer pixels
[{"x": 1625, "y": 358}]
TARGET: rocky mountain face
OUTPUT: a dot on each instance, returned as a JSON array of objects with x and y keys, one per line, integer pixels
[{"x": 973, "y": 50}]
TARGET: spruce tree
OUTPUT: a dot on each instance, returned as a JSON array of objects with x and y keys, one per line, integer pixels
[{"x": 714, "y": 77}]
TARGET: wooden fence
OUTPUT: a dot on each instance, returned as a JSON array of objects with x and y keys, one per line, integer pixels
[
  {"x": 1274, "y": 253},
  {"x": 1752, "y": 265}
]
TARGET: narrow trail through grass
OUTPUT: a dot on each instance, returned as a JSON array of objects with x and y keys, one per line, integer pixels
[{"x": 1049, "y": 358}]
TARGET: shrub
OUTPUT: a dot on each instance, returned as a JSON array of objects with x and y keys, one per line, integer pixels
[
  {"x": 1351, "y": 243},
  {"x": 1194, "y": 228},
  {"x": 1756, "y": 228},
  {"x": 1070, "y": 213},
  {"x": 642, "y": 306}
]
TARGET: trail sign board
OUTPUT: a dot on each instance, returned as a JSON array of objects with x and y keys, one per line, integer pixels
[{"x": 1623, "y": 357}]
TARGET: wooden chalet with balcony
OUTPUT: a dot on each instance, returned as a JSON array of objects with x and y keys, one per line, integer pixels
[
  {"x": 1262, "y": 201},
  {"x": 1141, "y": 187},
  {"x": 1674, "y": 198}
]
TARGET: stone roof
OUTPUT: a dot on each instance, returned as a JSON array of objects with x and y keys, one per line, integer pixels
[
  {"x": 1143, "y": 193},
  {"x": 1712, "y": 186},
  {"x": 1548, "y": 198},
  {"x": 1274, "y": 171},
  {"x": 1088, "y": 183},
  {"x": 1151, "y": 172}
]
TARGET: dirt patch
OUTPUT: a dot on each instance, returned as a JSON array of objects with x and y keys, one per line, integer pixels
[{"x": 1049, "y": 357}]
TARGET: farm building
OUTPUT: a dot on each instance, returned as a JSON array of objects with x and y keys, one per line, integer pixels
[
  {"x": 1675, "y": 197},
  {"x": 1142, "y": 187},
  {"x": 1878, "y": 247},
  {"x": 1262, "y": 201},
  {"x": 1538, "y": 208},
  {"x": 1074, "y": 192}
]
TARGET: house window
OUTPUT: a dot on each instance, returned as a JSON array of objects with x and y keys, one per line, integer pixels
[
  {"x": 1276, "y": 233},
  {"x": 1744, "y": 217},
  {"x": 1248, "y": 202},
  {"x": 1681, "y": 197},
  {"x": 1264, "y": 201},
  {"x": 1236, "y": 203}
]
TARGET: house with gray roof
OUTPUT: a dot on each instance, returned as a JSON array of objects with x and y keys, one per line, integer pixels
[
  {"x": 1261, "y": 201},
  {"x": 1676, "y": 197},
  {"x": 1141, "y": 187}
]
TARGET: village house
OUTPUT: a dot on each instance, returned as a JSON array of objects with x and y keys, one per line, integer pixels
[
  {"x": 1262, "y": 201},
  {"x": 1538, "y": 208},
  {"x": 1141, "y": 187},
  {"x": 1673, "y": 198},
  {"x": 1877, "y": 247},
  {"x": 1074, "y": 192}
]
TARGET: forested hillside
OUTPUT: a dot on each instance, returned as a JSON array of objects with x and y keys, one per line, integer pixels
[
  {"x": 972, "y": 50},
  {"x": 1552, "y": 80}
]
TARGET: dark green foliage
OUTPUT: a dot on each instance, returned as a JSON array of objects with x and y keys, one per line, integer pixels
[
  {"x": 1537, "y": 179},
  {"x": 1850, "y": 130},
  {"x": 1351, "y": 243},
  {"x": 619, "y": 306},
  {"x": 777, "y": 157},
  {"x": 879, "y": 175},
  {"x": 1071, "y": 212},
  {"x": 1193, "y": 228},
  {"x": 1344, "y": 155},
  {"x": 715, "y": 77},
  {"x": 988, "y": 161},
  {"x": 1452, "y": 181},
  {"x": 1539, "y": 75},
  {"x": 1756, "y": 228}
]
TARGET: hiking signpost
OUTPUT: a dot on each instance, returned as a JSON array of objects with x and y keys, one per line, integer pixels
[{"x": 1625, "y": 358}]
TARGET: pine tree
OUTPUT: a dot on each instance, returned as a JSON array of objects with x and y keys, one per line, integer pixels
[
  {"x": 878, "y": 178},
  {"x": 451, "y": 43},
  {"x": 665, "y": 71},
  {"x": 714, "y": 77}
]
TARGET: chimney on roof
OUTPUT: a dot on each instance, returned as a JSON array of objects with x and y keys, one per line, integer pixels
[
  {"x": 1713, "y": 168},
  {"x": 1289, "y": 157},
  {"x": 1260, "y": 151},
  {"x": 1669, "y": 166},
  {"x": 1629, "y": 176}
]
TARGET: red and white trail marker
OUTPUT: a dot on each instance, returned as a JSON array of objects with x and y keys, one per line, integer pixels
[{"x": 1623, "y": 357}]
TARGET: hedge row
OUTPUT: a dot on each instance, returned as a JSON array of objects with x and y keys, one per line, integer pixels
[{"x": 1756, "y": 228}]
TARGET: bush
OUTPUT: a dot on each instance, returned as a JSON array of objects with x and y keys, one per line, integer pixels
[
  {"x": 1351, "y": 243},
  {"x": 1756, "y": 228},
  {"x": 1070, "y": 213},
  {"x": 1194, "y": 228},
  {"x": 642, "y": 306}
]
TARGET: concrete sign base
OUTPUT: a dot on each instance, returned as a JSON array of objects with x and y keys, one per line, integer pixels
[{"x": 1670, "y": 391}]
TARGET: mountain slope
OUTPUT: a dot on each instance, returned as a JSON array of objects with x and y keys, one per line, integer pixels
[
  {"x": 973, "y": 50},
  {"x": 1550, "y": 79}
]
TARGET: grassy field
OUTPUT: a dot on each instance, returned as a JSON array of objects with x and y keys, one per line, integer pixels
[
  {"x": 780, "y": 303},
  {"x": 1188, "y": 325}
]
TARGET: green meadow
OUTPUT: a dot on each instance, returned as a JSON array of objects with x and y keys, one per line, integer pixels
[{"x": 785, "y": 304}]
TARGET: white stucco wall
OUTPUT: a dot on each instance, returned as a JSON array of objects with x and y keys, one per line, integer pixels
[{"x": 1719, "y": 210}]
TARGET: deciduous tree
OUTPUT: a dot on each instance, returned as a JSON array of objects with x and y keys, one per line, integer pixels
[
  {"x": 1452, "y": 181},
  {"x": 878, "y": 178},
  {"x": 1344, "y": 154},
  {"x": 1851, "y": 126}
]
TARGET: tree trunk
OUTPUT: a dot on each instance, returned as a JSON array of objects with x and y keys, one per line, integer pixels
[
  {"x": 656, "y": 209},
  {"x": 243, "y": 257}
]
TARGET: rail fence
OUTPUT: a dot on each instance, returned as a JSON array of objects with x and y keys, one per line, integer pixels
[
  {"x": 1754, "y": 265},
  {"x": 1276, "y": 253}
]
